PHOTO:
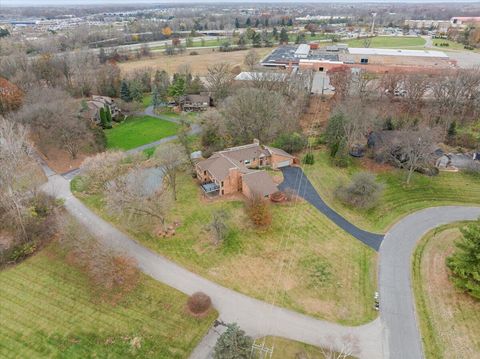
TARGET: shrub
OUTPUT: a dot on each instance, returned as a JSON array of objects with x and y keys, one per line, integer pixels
[
  {"x": 308, "y": 159},
  {"x": 233, "y": 344},
  {"x": 258, "y": 209},
  {"x": 101, "y": 168},
  {"x": 193, "y": 53},
  {"x": 278, "y": 197},
  {"x": 465, "y": 261},
  {"x": 291, "y": 142},
  {"x": 199, "y": 303},
  {"x": 362, "y": 192}
]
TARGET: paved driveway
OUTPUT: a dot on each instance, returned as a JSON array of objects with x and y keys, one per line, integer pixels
[
  {"x": 397, "y": 306},
  {"x": 295, "y": 179}
]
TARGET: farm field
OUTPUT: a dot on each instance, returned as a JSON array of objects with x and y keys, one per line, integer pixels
[
  {"x": 389, "y": 42},
  {"x": 137, "y": 131},
  {"x": 49, "y": 311},
  {"x": 198, "y": 63},
  {"x": 323, "y": 271},
  {"x": 449, "y": 319},
  {"x": 398, "y": 199}
]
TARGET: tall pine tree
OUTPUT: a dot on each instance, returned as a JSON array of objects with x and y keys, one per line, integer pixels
[{"x": 125, "y": 94}]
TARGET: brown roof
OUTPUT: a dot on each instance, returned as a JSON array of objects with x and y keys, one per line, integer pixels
[
  {"x": 278, "y": 151},
  {"x": 260, "y": 182},
  {"x": 246, "y": 152},
  {"x": 219, "y": 166}
]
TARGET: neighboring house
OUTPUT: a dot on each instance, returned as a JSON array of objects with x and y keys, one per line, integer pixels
[
  {"x": 236, "y": 170},
  {"x": 458, "y": 161},
  {"x": 195, "y": 102},
  {"x": 98, "y": 102}
]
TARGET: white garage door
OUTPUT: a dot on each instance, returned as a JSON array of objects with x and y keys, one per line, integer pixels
[{"x": 283, "y": 163}]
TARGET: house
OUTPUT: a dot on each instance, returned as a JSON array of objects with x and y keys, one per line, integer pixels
[
  {"x": 238, "y": 169},
  {"x": 195, "y": 103},
  {"x": 458, "y": 161},
  {"x": 98, "y": 102}
]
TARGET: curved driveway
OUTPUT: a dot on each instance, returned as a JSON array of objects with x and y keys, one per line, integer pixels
[{"x": 294, "y": 178}]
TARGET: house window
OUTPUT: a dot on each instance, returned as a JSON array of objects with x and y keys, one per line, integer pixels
[
  {"x": 364, "y": 61},
  {"x": 222, "y": 183},
  {"x": 320, "y": 69},
  {"x": 223, "y": 192},
  {"x": 204, "y": 173}
]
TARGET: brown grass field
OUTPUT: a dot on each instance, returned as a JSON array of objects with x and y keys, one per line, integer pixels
[
  {"x": 198, "y": 63},
  {"x": 449, "y": 319}
]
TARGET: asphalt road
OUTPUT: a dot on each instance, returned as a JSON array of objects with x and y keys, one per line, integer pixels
[
  {"x": 256, "y": 317},
  {"x": 295, "y": 179},
  {"x": 397, "y": 306}
]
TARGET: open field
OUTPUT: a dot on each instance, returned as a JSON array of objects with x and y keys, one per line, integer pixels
[
  {"x": 48, "y": 310},
  {"x": 139, "y": 130},
  {"x": 320, "y": 269},
  {"x": 198, "y": 63},
  {"x": 452, "y": 45},
  {"x": 449, "y": 319},
  {"x": 290, "y": 349},
  {"x": 397, "y": 200},
  {"x": 388, "y": 42}
]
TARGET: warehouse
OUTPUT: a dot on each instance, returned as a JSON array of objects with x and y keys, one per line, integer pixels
[{"x": 395, "y": 57}]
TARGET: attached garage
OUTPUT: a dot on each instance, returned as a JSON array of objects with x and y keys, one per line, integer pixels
[{"x": 283, "y": 163}]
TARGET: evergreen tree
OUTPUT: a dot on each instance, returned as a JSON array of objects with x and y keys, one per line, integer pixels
[
  {"x": 136, "y": 90},
  {"x": 233, "y": 344},
  {"x": 256, "y": 40},
  {"x": 275, "y": 33},
  {"x": 248, "y": 22},
  {"x": 452, "y": 130},
  {"x": 257, "y": 23},
  {"x": 290, "y": 22},
  {"x": 237, "y": 23},
  {"x": 102, "y": 56},
  {"x": 283, "y": 36},
  {"x": 156, "y": 101},
  {"x": 465, "y": 261},
  {"x": 125, "y": 94}
]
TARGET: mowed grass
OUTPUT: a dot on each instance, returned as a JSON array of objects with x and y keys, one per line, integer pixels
[
  {"x": 139, "y": 130},
  {"x": 398, "y": 199},
  {"x": 303, "y": 262},
  {"x": 388, "y": 42},
  {"x": 48, "y": 311},
  {"x": 449, "y": 318}
]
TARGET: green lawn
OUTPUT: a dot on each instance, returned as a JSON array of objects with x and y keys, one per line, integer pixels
[
  {"x": 452, "y": 45},
  {"x": 147, "y": 100},
  {"x": 398, "y": 199},
  {"x": 388, "y": 42},
  {"x": 322, "y": 271},
  {"x": 48, "y": 311},
  {"x": 291, "y": 349},
  {"x": 449, "y": 319},
  {"x": 139, "y": 130}
]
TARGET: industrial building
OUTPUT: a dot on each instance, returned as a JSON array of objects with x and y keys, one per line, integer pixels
[{"x": 378, "y": 60}]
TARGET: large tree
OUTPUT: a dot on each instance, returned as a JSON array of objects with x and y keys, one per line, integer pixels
[
  {"x": 171, "y": 159},
  {"x": 233, "y": 344},
  {"x": 255, "y": 113},
  {"x": 465, "y": 261},
  {"x": 219, "y": 80}
]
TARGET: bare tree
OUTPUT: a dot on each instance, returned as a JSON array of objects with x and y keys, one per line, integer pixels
[
  {"x": 126, "y": 198},
  {"x": 98, "y": 170},
  {"x": 171, "y": 159},
  {"x": 251, "y": 59},
  {"x": 219, "y": 80},
  {"x": 219, "y": 226},
  {"x": 344, "y": 348},
  {"x": 411, "y": 149},
  {"x": 390, "y": 83},
  {"x": 254, "y": 113},
  {"x": 18, "y": 177},
  {"x": 415, "y": 86}
]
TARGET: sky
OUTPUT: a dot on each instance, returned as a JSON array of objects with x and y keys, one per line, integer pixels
[{"x": 103, "y": 2}]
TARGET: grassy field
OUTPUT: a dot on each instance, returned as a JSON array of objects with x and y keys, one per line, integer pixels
[
  {"x": 388, "y": 42},
  {"x": 398, "y": 199},
  {"x": 290, "y": 349},
  {"x": 139, "y": 130},
  {"x": 449, "y": 319},
  {"x": 452, "y": 45},
  {"x": 47, "y": 311},
  {"x": 198, "y": 63},
  {"x": 320, "y": 269}
]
